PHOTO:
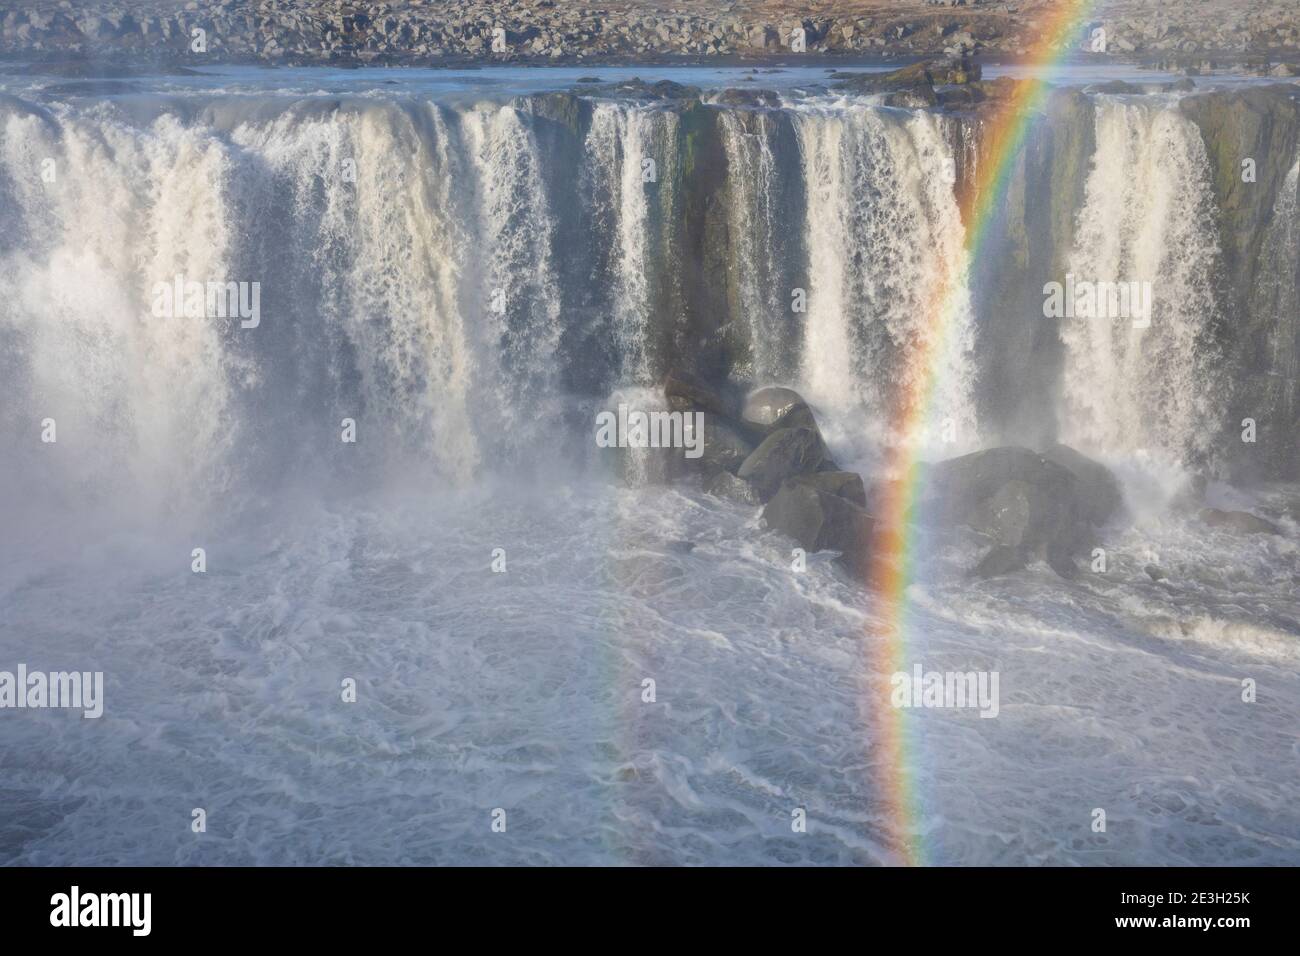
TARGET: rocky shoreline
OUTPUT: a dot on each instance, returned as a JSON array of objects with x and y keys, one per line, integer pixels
[{"x": 1265, "y": 37}]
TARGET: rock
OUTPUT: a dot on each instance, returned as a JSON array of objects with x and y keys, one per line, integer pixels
[
  {"x": 817, "y": 519},
  {"x": 748, "y": 98},
  {"x": 914, "y": 99},
  {"x": 1096, "y": 485},
  {"x": 726, "y": 445},
  {"x": 1116, "y": 87},
  {"x": 1001, "y": 559},
  {"x": 798, "y": 416},
  {"x": 917, "y": 77},
  {"x": 1239, "y": 522},
  {"x": 842, "y": 484},
  {"x": 1008, "y": 515},
  {"x": 1018, "y": 498},
  {"x": 1003, "y": 88},
  {"x": 724, "y": 484},
  {"x": 783, "y": 454},
  {"x": 1059, "y": 555},
  {"x": 957, "y": 487},
  {"x": 766, "y": 405},
  {"x": 680, "y": 547},
  {"x": 1154, "y": 573},
  {"x": 687, "y": 392},
  {"x": 1261, "y": 343},
  {"x": 959, "y": 97}
]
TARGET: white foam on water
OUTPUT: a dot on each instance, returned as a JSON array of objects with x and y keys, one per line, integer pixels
[{"x": 522, "y": 690}]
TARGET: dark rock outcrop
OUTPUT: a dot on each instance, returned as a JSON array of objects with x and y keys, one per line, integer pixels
[
  {"x": 1022, "y": 501},
  {"x": 1257, "y": 218},
  {"x": 918, "y": 78},
  {"x": 726, "y": 445},
  {"x": 818, "y": 519},
  {"x": 688, "y": 392},
  {"x": 1239, "y": 522},
  {"x": 843, "y": 484},
  {"x": 766, "y": 405},
  {"x": 723, "y": 484},
  {"x": 1097, "y": 487},
  {"x": 783, "y": 454},
  {"x": 1000, "y": 559}
]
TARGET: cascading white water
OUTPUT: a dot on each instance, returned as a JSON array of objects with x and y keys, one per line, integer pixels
[
  {"x": 140, "y": 405},
  {"x": 521, "y": 303},
  {"x": 754, "y": 222},
  {"x": 404, "y": 254},
  {"x": 625, "y": 147},
  {"x": 377, "y": 210},
  {"x": 1281, "y": 249},
  {"x": 886, "y": 271},
  {"x": 1147, "y": 217},
  {"x": 416, "y": 278}
]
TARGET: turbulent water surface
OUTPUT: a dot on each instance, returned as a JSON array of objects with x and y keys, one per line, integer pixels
[{"x": 468, "y": 274}]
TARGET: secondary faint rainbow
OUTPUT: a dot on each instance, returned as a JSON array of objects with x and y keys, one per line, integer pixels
[{"x": 891, "y": 566}]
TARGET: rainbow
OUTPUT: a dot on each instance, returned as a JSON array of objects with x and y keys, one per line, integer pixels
[{"x": 890, "y": 571}]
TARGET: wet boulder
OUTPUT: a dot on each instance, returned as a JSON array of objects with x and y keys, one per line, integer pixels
[
  {"x": 1115, "y": 87},
  {"x": 1015, "y": 516},
  {"x": 686, "y": 392},
  {"x": 919, "y": 78},
  {"x": 1022, "y": 501},
  {"x": 917, "y": 98},
  {"x": 1097, "y": 487},
  {"x": 1012, "y": 486},
  {"x": 725, "y": 445},
  {"x": 796, "y": 416},
  {"x": 766, "y": 405},
  {"x": 726, "y": 441},
  {"x": 724, "y": 484},
  {"x": 1238, "y": 522},
  {"x": 817, "y": 519},
  {"x": 752, "y": 98},
  {"x": 844, "y": 484},
  {"x": 783, "y": 454},
  {"x": 1000, "y": 559}
]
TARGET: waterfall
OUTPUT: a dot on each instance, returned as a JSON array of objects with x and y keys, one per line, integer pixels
[
  {"x": 757, "y": 224},
  {"x": 1147, "y": 217},
  {"x": 885, "y": 247},
  {"x": 1280, "y": 256},
  {"x": 100, "y": 211},
  {"x": 405, "y": 257},
  {"x": 515, "y": 237},
  {"x": 625, "y": 148},
  {"x": 465, "y": 278}
]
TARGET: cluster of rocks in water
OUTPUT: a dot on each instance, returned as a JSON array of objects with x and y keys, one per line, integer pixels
[
  {"x": 425, "y": 31},
  {"x": 765, "y": 449}
]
